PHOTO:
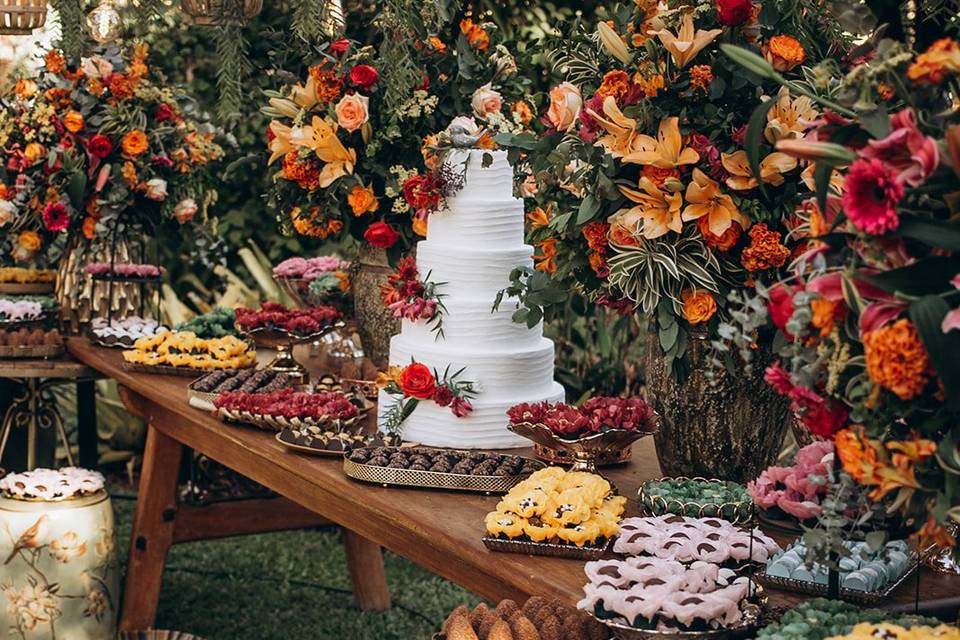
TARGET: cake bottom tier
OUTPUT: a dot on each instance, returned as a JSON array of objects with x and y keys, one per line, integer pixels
[{"x": 485, "y": 428}]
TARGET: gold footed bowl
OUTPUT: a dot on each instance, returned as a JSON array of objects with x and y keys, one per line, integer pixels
[
  {"x": 283, "y": 342},
  {"x": 583, "y": 454}
]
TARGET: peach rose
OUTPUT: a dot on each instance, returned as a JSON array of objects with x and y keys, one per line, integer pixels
[
  {"x": 565, "y": 105},
  {"x": 134, "y": 143},
  {"x": 33, "y": 152},
  {"x": 698, "y": 306},
  {"x": 352, "y": 111},
  {"x": 362, "y": 200},
  {"x": 73, "y": 121},
  {"x": 486, "y": 101}
]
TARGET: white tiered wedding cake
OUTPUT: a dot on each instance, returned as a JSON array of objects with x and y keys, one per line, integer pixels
[{"x": 471, "y": 247}]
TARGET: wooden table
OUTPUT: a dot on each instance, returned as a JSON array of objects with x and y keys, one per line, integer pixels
[{"x": 439, "y": 530}]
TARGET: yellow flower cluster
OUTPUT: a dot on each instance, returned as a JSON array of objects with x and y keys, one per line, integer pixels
[
  {"x": 185, "y": 349},
  {"x": 420, "y": 104},
  {"x": 867, "y": 631},
  {"x": 558, "y": 506}
]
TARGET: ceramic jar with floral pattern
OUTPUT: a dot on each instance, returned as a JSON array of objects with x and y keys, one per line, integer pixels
[{"x": 59, "y": 576}]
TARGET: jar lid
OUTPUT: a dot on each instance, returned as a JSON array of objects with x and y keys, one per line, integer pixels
[{"x": 52, "y": 484}]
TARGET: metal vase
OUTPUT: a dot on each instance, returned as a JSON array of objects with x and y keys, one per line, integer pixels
[
  {"x": 731, "y": 430},
  {"x": 375, "y": 323}
]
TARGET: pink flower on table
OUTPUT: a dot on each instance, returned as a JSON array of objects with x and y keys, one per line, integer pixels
[
  {"x": 871, "y": 195},
  {"x": 906, "y": 151}
]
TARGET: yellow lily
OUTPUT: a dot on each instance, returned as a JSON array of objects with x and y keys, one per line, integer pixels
[
  {"x": 789, "y": 118},
  {"x": 612, "y": 43},
  {"x": 704, "y": 198},
  {"x": 321, "y": 136},
  {"x": 280, "y": 145},
  {"x": 305, "y": 96},
  {"x": 772, "y": 169},
  {"x": 664, "y": 152},
  {"x": 621, "y": 138},
  {"x": 687, "y": 42},
  {"x": 659, "y": 210},
  {"x": 285, "y": 107},
  {"x": 807, "y": 177}
]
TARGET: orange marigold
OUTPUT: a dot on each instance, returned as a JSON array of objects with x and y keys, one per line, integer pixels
[
  {"x": 825, "y": 314},
  {"x": 698, "y": 306},
  {"x": 137, "y": 70},
  {"x": 596, "y": 235},
  {"x": 134, "y": 143},
  {"x": 129, "y": 174},
  {"x": 858, "y": 456},
  {"x": 54, "y": 62},
  {"x": 58, "y": 97},
  {"x": 784, "y": 52},
  {"x": 89, "y": 227},
  {"x": 362, "y": 200},
  {"x": 651, "y": 84},
  {"x": 897, "y": 359},
  {"x": 305, "y": 173},
  {"x": 546, "y": 260},
  {"x": 615, "y": 83},
  {"x": 765, "y": 251},
  {"x": 329, "y": 84},
  {"x": 476, "y": 35},
  {"x": 599, "y": 264},
  {"x": 311, "y": 224},
  {"x": 932, "y": 65},
  {"x": 701, "y": 76},
  {"x": 121, "y": 86}
]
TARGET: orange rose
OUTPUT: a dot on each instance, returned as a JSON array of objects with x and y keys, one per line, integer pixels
[
  {"x": 29, "y": 240},
  {"x": 784, "y": 52},
  {"x": 362, "y": 200},
  {"x": 352, "y": 111},
  {"x": 565, "y": 104},
  {"x": 134, "y": 143},
  {"x": 89, "y": 227},
  {"x": 698, "y": 306},
  {"x": 73, "y": 121},
  {"x": 34, "y": 151}
]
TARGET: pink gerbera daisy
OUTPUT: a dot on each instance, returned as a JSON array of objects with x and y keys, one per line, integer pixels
[
  {"x": 871, "y": 193},
  {"x": 55, "y": 217}
]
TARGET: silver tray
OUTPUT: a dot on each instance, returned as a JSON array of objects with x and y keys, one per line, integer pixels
[
  {"x": 423, "y": 479},
  {"x": 528, "y": 547},
  {"x": 869, "y": 598}
]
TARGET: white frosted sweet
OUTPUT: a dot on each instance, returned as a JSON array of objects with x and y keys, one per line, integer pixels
[{"x": 471, "y": 248}]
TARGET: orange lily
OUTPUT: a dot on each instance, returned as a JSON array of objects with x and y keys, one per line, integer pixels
[
  {"x": 305, "y": 96},
  {"x": 621, "y": 138},
  {"x": 687, "y": 42},
  {"x": 540, "y": 217},
  {"x": 772, "y": 169},
  {"x": 659, "y": 210},
  {"x": 789, "y": 118},
  {"x": 322, "y": 138},
  {"x": 806, "y": 176},
  {"x": 666, "y": 151},
  {"x": 704, "y": 198},
  {"x": 280, "y": 145}
]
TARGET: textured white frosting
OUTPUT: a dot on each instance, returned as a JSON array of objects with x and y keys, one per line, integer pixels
[{"x": 471, "y": 248}]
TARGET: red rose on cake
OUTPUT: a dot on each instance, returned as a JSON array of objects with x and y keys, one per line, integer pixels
[{"x": 417, "y": 381}]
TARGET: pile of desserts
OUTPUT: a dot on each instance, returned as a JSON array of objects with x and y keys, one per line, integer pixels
[
  {"x": 558, "y": 507},
  {"x": 125, "y": 331},
  {"x": 444, "y": 461},
  {"x": 689, "y": 539},
  {"x": 662, "y": 594},
  {"x": 597, "y": 415},
  {"x": 297, "y": 322},
  {"x": 326, "y": 440},
  {"x": 24, "y": 337},
  {"x": 185, "y": 350},
  {"x": 537, "y": 619},
  {"x": 51, "y": 484},
  {"x": 860, "y": 569},
  {"x": 23, "y": 275},
  {"x": 243, "y": 380},
  {"x": 695, "y": 497},
  {"x": 14, "y": 310},
  {"x": 795, "y": 490},
  {"x": 322, "y": 408},
  {"x": 124, "y": 270},
  {"x": 819, "y": 619},
  {"x": 217, "y": 323}
]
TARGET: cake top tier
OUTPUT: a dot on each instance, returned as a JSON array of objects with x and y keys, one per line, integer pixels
[{"x": 490, "y": 181}]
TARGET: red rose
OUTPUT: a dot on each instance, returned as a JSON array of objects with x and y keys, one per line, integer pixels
[
  {"x": 381, "y": 235},
  {"x": 733, "y": 13},
  {"x": 363, "y": 76},
  {"x": 340, "y": 46},
  {"x": 99, "y": 146},
  {"x": 164, "y": 112},
  {"x": 421, "y": 192},
  {"x": 416, "y": 381}
]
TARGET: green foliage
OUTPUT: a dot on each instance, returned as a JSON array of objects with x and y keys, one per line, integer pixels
[
  {"x": 72, "y": 34},
  {"x": 534, "y": 291}
]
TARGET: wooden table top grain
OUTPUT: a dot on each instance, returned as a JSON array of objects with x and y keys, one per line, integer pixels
[{"x": 439, "y": 530}]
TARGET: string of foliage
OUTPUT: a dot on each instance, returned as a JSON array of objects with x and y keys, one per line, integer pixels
[
  {"x": 234, "y": 61},
  {"x": 71, "y": 27},
  {"x": 309, "y": 19}
]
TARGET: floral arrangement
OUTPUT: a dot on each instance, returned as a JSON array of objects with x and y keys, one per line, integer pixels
[
  {"x": 124, "y": 270},
  {"x": 596, "y": 415},
  {"x": 353, "y": 149},
  {"x": 866, "y": 630},
  {"x": 868, "y": 313},
  {"x": 415, "y": 383},
  {"x": 409, "y": 297},
  {"x": 275, "y": 316},
  {"x": 648, "y": 199},
  {"x": 288, "y": 403},
  {"x": 797, "y": 489},
  {"x": 103, "y": 145}
]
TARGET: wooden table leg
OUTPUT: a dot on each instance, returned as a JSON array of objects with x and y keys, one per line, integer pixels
[
  {"x": 153, "y": 530},
  {"x": 87, "y": 423},
  {"x": 365, "y": 562}
]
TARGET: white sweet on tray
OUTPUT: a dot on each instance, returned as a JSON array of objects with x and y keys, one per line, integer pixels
[
  {"x": 692, "y": 539},
  {"x": 131, "y": 327}
]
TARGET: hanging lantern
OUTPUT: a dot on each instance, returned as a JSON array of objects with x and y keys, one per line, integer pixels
[
  {"x": 104, "y": 22},
  {"x": 208, "y": 12},
  {"x": 21, "y": 17},
  {"x": 333, "y": 21}
]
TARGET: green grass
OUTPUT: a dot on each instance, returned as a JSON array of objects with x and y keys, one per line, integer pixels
[{"x": 291, "y": 586}]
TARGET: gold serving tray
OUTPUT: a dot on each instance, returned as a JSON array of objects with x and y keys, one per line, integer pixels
[
  {"x": 422, "y": 479},
  {"x": 654, "y": 505},
  {"x": 366, "y": 441},
  {"x": 868, "y": 598},
  {"x": 165, "y": 369},
  {"x": 31, "y": 351},
  {"x": 327, "y": 383},
  {"x": 278, "y": 423},
  {"x": 586, "y": 552}
]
